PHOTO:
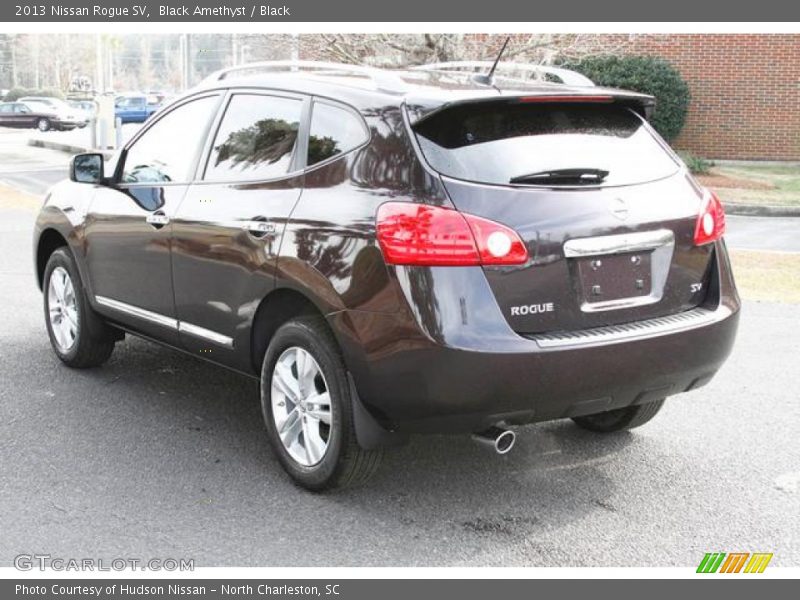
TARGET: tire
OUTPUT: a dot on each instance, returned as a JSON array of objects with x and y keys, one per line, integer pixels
[
  {"x": 93, "y": 340},
  {"x": 342, "y": 462},
  {"x": 620, "y": 419},
  {"x": 43, "y": 125}
]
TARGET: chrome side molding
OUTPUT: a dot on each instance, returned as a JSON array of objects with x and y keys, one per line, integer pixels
[
  {"x": 164, "y": 321},
  {"x": 206, "y": 334},
  {"x": 139, "y": 313}
]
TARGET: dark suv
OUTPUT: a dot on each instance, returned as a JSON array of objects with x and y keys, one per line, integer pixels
[{"x": 398, "y": 252}]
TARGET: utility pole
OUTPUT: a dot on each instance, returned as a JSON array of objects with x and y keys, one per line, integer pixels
[
  {"x": 14, "y": 75},
  {"x": 110, "y": 80},
  {"x": 98, "y": 64},
  {"x": 234, "y": 49},
  {"x": 36, "y": 60}
]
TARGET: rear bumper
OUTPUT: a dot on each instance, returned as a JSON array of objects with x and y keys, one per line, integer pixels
[{"x": 458, "y": 367}]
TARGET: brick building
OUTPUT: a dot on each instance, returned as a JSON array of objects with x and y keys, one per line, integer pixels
[
  {"x": 745, "y": 91},
  {"x": 745, "y": 88}
]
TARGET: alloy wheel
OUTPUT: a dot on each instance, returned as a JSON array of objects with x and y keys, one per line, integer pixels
[
  {"x": 301, "y": 406},
  {"x": 63, "y": 309}
]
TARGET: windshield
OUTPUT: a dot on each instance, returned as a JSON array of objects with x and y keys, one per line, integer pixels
[{"x": 502, "y": 143}]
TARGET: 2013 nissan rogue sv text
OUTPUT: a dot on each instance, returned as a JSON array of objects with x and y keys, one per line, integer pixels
[{"x": 398, "y": 252}]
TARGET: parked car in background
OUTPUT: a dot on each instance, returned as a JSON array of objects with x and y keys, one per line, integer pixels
[
  {"x": 33, "y": 115},
  {"x": 134, "y": 108},
  {"x": 58, "y": 107},
  {"x": 86, "y": 107}
]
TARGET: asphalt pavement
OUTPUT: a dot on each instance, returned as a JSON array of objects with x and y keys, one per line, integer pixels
[{"x": 158, "y": 454}]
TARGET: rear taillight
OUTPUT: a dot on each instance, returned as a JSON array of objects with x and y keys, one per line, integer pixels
[
  {"x": 711, "y": 220},
  {"x": 417, "y": 234}
]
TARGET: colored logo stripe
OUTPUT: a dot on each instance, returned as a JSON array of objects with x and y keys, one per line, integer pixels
[
  {"x": 711, "y": 562},
  {"x": 734, "y": 562},
  {"x": 758, "y": 562}
]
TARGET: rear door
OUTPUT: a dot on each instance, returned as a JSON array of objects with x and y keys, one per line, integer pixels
[
  {"x": 227, "y": 233},
  {"x": 604, "y": 207}
]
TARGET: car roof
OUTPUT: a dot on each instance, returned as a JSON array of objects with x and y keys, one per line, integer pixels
[{"x": 425, "y": 89}]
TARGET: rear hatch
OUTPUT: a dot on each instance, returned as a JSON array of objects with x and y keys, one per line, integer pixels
[{"x": 604, "y": 207}]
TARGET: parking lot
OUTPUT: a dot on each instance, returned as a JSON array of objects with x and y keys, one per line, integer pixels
[{"x": 159, "y": 454}]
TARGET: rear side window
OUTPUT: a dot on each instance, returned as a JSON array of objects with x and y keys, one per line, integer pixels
[
  {"x": 256, "y": 138},
  {"x": 334, "y": 131},
  {"x": 498, "y": 142}
]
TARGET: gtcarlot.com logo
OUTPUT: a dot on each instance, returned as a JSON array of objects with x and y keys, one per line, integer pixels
[
  {"x": 734, "y": 562},
  {"x": 42, "y": 562}
]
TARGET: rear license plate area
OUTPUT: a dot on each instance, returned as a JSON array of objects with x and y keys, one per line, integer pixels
[{"x": 612, "y": 277}]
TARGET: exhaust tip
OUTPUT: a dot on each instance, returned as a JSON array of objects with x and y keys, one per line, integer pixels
[
  {"x": 500, "y": 440},
  {"x": 505, "y": 442}
]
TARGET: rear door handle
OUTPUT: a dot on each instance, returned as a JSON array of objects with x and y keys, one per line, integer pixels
[
  {"x": 258, "y": 227},
  {"x": 157, "y": 219}
]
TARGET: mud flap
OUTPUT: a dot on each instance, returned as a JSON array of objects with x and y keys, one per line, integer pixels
[{"x": 369, "y": 433}]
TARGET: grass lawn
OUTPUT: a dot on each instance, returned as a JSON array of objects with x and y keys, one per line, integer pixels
[
  {"x": 11, "y": 198},
  {"x": 775, "y": 185},
  {"x": 767, "y": 276}
]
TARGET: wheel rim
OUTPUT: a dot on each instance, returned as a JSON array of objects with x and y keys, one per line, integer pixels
[
  {"x": 301, "y": 406},
  {"x": 42, "y": 125},
  {"x": 63, "y": 309}
]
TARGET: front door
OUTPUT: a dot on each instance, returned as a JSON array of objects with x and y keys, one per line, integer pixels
[
  {"x": 227, "y": 232},
  {"x": 128, "y": 224}
]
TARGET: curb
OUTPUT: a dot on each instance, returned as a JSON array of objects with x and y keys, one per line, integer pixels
[
  {"x": 62, "y": 146},
  {"x": 760, "y": 210}
]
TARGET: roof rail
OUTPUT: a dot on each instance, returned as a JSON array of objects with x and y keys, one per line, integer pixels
[
  {"x": 566, "y": 76},
  {"x": 384, "y": 80}
]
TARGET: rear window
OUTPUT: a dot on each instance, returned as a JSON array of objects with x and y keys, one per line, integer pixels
[{"x": 498, "y": 142}]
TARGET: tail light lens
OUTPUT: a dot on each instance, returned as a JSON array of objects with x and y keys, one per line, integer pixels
[
  {"x": 711, "y": 220},
  {"x": 417, "y": 234}
]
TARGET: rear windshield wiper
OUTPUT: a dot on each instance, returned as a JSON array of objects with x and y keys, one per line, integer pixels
[{"x": 577, "y": 176}]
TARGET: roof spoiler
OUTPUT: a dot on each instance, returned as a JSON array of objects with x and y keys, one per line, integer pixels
[{"x": 420, "y": 110}]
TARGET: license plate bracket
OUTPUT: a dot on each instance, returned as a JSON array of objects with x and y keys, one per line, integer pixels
[{"x": 615, "y": 277}]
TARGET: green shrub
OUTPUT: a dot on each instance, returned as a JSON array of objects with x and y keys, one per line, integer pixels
[
  {"x": 17, "y": 93},
  {"x": 696, "y": 164},
  {"x": 645, "y": 74}
]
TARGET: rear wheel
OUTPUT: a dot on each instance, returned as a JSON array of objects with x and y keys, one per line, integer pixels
[
  {"x": 620, "y": 419},
  {"x": 43, "y": 124},
  {"x": 80, "y": 338},
  {"x": 307, "y": 408}
]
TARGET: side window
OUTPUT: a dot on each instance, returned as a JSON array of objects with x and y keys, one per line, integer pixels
[
  {"x": 256, "y": 138},
  {"x": 333, "y": 131},
  {"x": 5, "y": 108},
  {"x": 166, "y": 151}
]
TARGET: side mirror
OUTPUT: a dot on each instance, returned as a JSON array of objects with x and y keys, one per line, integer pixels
[{"x": 86, "y": 168}]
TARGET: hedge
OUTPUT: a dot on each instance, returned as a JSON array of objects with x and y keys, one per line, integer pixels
[{"x": 648, "y": 75}]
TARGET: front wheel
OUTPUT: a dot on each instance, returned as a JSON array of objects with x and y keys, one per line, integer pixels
[
  {"x": 80, "y": 338},
  {"x": 620, "y": 419},
  {"x": 307, "y": 408}
]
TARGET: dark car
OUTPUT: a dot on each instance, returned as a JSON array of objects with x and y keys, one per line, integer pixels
[
  {"x": 398, "y": 252},
  {"x": 35, "y": 116}
]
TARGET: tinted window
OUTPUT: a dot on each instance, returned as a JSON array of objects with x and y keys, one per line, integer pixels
[
  {"x": 256, "y": 138},
  {"x": 333, "y": 131},
  {"x": 5, "y": 108},
  {"x": 166, "y": 151},
  {"x": 496, "y": 142}
]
